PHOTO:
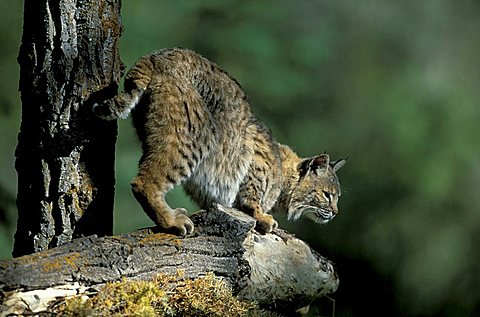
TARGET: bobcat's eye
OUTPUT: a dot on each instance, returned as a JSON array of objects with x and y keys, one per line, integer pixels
[{"x": 327, "y": 195}]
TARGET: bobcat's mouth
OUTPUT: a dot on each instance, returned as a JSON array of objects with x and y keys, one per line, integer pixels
[{"x": 317, "y": 214}]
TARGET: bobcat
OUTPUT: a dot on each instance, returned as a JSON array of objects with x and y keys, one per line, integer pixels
[{"x": 196, "y": 129}]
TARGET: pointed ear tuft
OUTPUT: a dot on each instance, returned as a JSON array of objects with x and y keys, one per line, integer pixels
[{"x": 336, "y": 165}]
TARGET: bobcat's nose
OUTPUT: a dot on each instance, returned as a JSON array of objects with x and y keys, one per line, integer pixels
[{"x": 334, "y": 208}]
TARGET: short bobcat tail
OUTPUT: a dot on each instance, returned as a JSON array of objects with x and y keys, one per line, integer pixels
[{"x": 136, "y": 82}]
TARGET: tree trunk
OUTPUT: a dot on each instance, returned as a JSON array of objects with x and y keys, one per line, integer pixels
[
  {"x": 276, "y": 270},
  {"x": 65, "y": 157}
]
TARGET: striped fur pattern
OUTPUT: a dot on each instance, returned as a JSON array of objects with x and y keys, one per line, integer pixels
[{"x": 197, "y": 130}]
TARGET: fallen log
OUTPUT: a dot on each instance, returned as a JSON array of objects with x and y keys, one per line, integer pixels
[{"x": 275, "y": 270}]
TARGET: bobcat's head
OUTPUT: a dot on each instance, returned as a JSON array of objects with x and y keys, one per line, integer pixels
[{"x": 317, "y": 190}]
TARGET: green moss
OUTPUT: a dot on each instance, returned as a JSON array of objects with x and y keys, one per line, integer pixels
[
  {"x": 207, "y": 296},
  {"x": 125, "y": 298},
  {"x": 164, "y": 296}
]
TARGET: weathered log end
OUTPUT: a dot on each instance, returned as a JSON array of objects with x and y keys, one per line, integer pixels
[
  {"x": 273, "y": 269},
  {"x": 282, "y": 268}
]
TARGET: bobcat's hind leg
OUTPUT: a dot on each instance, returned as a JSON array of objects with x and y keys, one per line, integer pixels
[
  {"x": 152, "y": 200},
  {"x": 175, "y": 131}
]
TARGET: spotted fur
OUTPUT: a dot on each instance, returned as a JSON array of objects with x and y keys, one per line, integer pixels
[{"x": 196, "y": 129}]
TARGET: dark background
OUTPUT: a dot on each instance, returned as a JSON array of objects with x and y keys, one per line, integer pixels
[{"x": 393, "y": 86}]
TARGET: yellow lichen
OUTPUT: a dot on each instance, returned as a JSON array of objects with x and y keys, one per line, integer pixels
[
  {"x": 69, "y": 260},
  {"x": 160, "y": 237},
  {"x": 51, "y": 266},
  {"x": 30, "y": 258},
  {"x": 165, "y": 295}
]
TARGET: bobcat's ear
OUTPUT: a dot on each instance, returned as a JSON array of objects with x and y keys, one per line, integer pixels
[
  {"x": 316, "y": 164},
  {"x": 338, "y": 164}
]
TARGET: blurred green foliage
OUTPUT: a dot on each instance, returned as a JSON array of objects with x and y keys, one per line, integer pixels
[{"x": 392, "y": 85}]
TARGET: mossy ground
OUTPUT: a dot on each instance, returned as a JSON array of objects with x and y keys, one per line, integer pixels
[{"x": 163, "y": 296}]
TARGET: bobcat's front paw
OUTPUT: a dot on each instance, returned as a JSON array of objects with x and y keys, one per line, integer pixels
[
  {"x": 180, "y": 224},
  {"x": 266, "y": 223}
]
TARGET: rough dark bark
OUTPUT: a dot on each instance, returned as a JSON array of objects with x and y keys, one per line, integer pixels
[
  {"x": 274, "y": 269},
  {"x": 65, "y": 157}
]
